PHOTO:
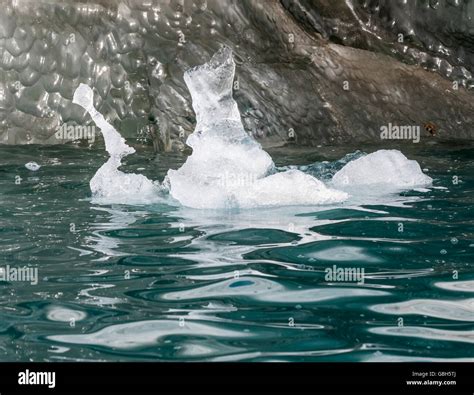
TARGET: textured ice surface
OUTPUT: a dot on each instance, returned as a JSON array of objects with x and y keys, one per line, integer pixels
[
  {"x": 387, "y": 168},
  {"x": 228, "y": 168},
  {"x": 134, "y": 52},
  {"x": 109, "y": 184}
]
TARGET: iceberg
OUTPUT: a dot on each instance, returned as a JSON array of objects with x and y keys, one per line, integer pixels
[
  {"x": 228, "y": 168},
  {"x": 109, "y": 184},
  {"x": 389, "y": 169}
]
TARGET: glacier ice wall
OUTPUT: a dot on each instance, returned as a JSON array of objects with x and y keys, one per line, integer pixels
[{"x": 293, "y": 58}]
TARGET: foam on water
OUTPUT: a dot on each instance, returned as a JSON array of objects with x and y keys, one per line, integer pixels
[
  {"x": 387, "y": 169},
  {"x": 228, "y": 168},
  {"x": 109, "y": 184}
]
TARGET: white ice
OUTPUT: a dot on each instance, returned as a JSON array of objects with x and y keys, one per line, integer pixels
[
  {"x": 32, "y": 166},
  {"x": 228, "y": 168},
  {"x": 109, "y": 184},
  {"x": 383, "y": 169}
]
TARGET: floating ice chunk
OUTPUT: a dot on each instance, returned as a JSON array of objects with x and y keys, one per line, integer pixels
[
  {"x": 210, "y": 86},
  {"x": 33, "y": 166},
  {"x": 292, "y": 187},
  {"x": 389, "y": 168},
  {"x": 228, "y": 168},
  {"x": 289, "y": 188},
  {"x": 217, "y": 168},
  {"x": 109, "y": 184},
  {"x": 114, "y": 143}
]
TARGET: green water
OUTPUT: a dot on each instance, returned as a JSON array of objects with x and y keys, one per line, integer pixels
[{"x": 162, "y": 282}]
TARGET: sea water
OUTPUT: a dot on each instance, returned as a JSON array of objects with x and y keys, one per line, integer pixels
[
  {"x": 225, "y": 254},
  {"x": 163, "y": 281}
]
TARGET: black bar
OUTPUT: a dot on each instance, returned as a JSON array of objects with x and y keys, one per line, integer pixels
[{"x": 222, "y": 378}]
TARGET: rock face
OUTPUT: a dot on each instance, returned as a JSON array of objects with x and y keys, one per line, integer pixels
[{"x": 308, "y": 71}]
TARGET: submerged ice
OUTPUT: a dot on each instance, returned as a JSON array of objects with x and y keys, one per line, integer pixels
[{"x": 228, "y": 168}]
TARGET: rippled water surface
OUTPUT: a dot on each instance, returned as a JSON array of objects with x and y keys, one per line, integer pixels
[{"x": 162, "y": 282}]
